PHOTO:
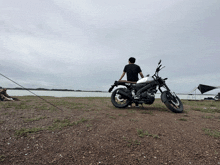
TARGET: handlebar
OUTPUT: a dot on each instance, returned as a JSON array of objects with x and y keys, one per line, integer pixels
[{"x": 158, "y": 69}]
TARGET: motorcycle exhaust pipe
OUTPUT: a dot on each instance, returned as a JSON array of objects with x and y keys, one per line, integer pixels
[{"x": 124, "y": 94}]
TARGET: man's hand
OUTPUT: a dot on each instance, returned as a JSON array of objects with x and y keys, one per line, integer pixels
[
  {"x": 141, "y": 74},
  {"x": 123, "y": 74}
]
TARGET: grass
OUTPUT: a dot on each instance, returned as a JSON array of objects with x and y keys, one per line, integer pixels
[
  {"x": 213, "y": 133},
  {"x": 183, "y": 119},
  {"x": 207, "y": 117},
  {"x": 57, "y": 124},
  {"x": 26, "y": 103},
  {"x": 112, "y": 117},
  {"x": 141, "y": 134},
  {"x": 26, "y": 131},
  {"x": 132, "y": 142},
  {"x": 158, "y": 105},
  {"x": 34, "y": 119},
  {"x": 206, "y": 110},
  {"x": 43, "y": 121},
  {"x": 88, "y": 125},
  {"x": 131, "y": 111},
  {"x": 82, "y": 120},
  {"x": 2, "y": 158},
  {"x": 203, "y": 106},
  {"x": 147, "y": 112},
  {"x": 135, "y": 120}
]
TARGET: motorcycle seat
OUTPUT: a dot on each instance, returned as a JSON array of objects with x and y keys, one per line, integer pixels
[{"x": 124, "y": 81}]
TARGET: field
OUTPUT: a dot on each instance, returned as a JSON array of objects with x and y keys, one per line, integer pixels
[{"x": 92, "y": 131}]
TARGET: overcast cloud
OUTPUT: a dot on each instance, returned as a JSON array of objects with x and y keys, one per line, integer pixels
[{"x": 84, "y": 44}]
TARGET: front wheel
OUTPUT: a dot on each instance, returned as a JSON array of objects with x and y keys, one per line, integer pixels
[
  {"x": 172, "y": 102},
  {"x": 118, "y": 100}
]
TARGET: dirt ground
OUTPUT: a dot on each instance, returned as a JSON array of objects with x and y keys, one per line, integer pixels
[{"x": 91, "y": 131}]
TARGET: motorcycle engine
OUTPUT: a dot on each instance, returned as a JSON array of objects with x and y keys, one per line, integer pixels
[{"x": 147, "y": 97}]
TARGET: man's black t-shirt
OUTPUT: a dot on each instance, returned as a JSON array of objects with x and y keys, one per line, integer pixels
[{"x": 132, "y": 71}]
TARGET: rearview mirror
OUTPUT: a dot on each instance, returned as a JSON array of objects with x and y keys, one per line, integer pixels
[{"x": 159, "y": 62}]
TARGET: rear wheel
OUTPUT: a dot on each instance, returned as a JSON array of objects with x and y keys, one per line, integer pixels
[
  {"x": 172, "y": 102},
  {"x": 118, "y": 100}
]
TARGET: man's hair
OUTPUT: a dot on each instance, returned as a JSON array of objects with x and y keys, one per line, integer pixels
[{"x": 132, "y": 60}]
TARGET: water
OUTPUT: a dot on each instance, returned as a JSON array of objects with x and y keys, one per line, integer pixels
[
  {"x": 90, "y": 94},
  {"x": 58, "y": 93}
]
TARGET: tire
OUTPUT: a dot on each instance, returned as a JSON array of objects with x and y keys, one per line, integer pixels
[
  {"x": 118, "y": 100},
  {"x": 172, "y": 102}
]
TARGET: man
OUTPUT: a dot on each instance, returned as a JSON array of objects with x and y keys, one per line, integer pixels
[
  {"x": 132, "y": 70},
  {"x": 5, "y": 97}
]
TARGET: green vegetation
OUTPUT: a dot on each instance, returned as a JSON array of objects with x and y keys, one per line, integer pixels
[
  {"x": 34, "y": 119},
  {"x": 183, "y": 119},
  {"x": 206, "y": 106},
  {"x": 82, "y": 120},
  {"x": 206, "y": 110},
  {"x": 141, "y": 134},
  {"x": 26, "y": 131},
  {"x": 131, "y": 142},
  {"x": 213, "y": 133},
  {"x": 112, "y": 117},
  {"x": 158, "y": 105},
  {"x": 135, "y": 120},
  {"x": 92, "y": 105},
  {"x": 147, "y": 112},
  {"x": 57, "y": 124},
  {"x": 2, "y": 158},
  {"x": 203, "y": 106},
  {"x": 131, "y": 111},
  {"x": 207, "y": 117},
  {"x": 88, "y": 125}
]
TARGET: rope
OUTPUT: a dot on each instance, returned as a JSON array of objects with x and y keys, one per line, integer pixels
[{"x": 31, "y": 92}]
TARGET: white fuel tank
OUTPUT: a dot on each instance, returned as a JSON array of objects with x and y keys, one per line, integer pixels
[{"x": 145, "y": 79}]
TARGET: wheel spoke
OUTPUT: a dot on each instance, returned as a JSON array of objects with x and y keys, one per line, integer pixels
[
  {"x": 173, "y": 102},
  {"x": 118, "y": 100}
]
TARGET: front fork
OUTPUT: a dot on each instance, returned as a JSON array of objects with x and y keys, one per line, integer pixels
[
  {"x": 171, "y": 95},
  {"x": 165, "y": 86}
]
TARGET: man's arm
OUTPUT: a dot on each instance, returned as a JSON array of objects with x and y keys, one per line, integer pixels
[
  {"x": 123, "y": 74},
  {"x": 141, "y": 74}
]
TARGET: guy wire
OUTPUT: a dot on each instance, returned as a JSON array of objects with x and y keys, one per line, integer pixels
[{"x": 31, "y": 92}]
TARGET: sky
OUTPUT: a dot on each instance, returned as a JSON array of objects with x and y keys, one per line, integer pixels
[{"x": 85, "y": 44}]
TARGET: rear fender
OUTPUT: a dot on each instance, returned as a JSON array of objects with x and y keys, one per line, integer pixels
[
  {"x": 123, "y": 83},
  {"x": 112, "y": 87}
]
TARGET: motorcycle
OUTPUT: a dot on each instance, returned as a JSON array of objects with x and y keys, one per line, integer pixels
[{"x": 143, "y": 92}]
